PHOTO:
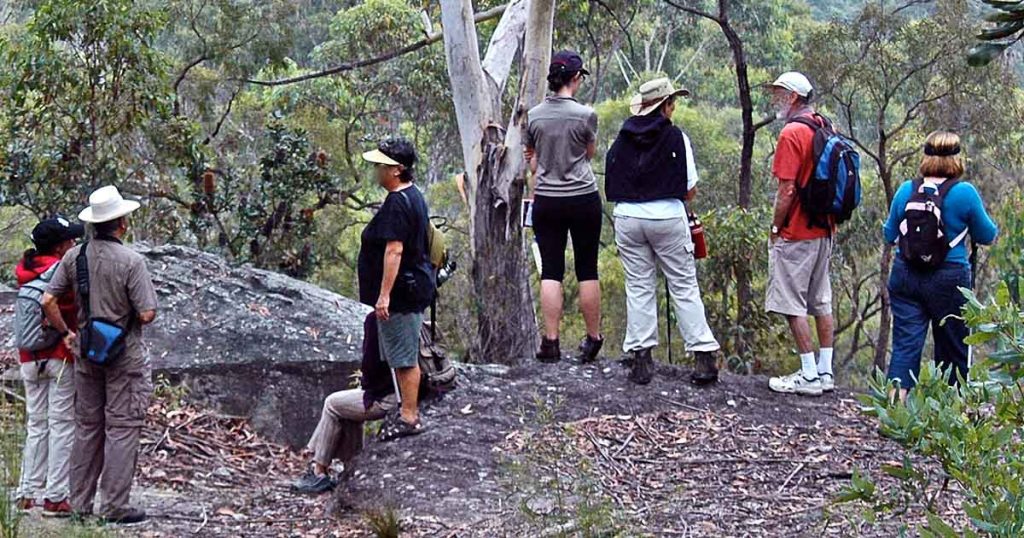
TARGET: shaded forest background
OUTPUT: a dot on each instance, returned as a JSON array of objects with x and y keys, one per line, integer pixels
[{"x": 192, "y": 106}]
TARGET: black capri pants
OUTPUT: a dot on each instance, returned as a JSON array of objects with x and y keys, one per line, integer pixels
[{"x": 554, "y": 218}]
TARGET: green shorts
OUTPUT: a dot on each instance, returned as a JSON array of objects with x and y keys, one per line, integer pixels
[{"x": 399, "y": 339}]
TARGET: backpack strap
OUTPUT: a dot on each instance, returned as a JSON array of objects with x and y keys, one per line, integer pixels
[
  {"x": 815, "y": 126},
  {"x": 947, "y": 186},
  {"x": 804, "y": 120},
  {"x": 82, "y": 278},
  {"x": 426, "y": 231}
]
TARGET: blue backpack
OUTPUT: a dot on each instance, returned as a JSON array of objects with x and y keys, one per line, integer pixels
[{"x": 833, "y": 191}]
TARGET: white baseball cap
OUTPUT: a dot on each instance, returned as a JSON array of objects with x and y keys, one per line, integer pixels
[{"x": 794, "y": 82}]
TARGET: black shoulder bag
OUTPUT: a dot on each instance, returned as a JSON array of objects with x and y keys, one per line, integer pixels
[{"x": 102, "y": 340}]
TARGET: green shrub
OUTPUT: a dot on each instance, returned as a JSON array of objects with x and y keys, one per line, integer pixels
[{"x": 973, "y": 432}]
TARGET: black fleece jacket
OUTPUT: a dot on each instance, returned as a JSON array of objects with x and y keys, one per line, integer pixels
[{"x": 647, "y": 161}]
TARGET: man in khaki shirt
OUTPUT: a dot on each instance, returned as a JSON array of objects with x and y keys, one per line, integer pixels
[{"x": 111, "y": 399}]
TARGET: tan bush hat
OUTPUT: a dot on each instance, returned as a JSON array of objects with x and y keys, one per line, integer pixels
[
  {"x": 652, "y": 94},
  {"x": 105, "y": 205}
]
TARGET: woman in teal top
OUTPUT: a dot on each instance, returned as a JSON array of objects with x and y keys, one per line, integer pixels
[{"x": 919, "y": 297}]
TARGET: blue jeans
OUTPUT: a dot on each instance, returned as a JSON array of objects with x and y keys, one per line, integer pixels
[{"x": 920, "y": 299}]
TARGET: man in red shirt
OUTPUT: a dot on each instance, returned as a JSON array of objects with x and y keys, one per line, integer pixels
[{"x": 798, "y": 280}]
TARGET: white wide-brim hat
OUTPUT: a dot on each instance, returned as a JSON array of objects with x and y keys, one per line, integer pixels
[{"x": 105, "y": 205}]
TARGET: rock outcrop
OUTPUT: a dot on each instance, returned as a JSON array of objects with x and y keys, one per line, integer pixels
[
  {"x": 250, "y": 342},
  {"x": 246, "y": 342}
]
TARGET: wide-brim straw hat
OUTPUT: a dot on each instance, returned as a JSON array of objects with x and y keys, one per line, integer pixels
[
  {"x": 652, "y": 94},
  {"x": 106, "y": 204}
]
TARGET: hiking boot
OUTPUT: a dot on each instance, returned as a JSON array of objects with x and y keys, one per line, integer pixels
[
  {"x": 828, "y": 382},
  {"x": 395, "y": 427},
  {"x": 127, "y": 516},
  {"x": 589, "y": 348},
  {"x": 705, "y": 369},
  {"x": 549, "y": 351},
  {"x": 312, "y": 483},
  {"x": 796, "y": 383},
  {"x": 25, "y": 504},
  {"x": 58, "y": 509},
  {"x": 642, "y": 370}
]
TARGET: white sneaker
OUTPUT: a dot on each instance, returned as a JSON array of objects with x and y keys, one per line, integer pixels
[
  {"x": 828, "y": 382},
  {"x": 796, "y": 384}
]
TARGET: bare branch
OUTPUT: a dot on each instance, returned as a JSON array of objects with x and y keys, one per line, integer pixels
[
  {"x": 622, "y": 26},
  {"x": 223, "y": 117},
  {"x": 768, "y": 120},
  {"x": 695, "y": 11},
  {"x": 487, "y": 15},
  {"x": 910, "y": 4}
]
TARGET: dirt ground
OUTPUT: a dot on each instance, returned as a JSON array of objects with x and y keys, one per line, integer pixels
[{"x": 543, "y": 450}]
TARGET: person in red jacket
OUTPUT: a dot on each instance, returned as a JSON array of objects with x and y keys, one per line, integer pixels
[{"x": 49, "y": 383}]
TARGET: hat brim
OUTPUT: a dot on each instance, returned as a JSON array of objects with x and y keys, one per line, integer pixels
[
  {"x": 123, "y": 209},
  {"x": 776, "y": 85},
  {"x": 637, "y": 108},
  {"x": 378, "y": 157},
  {"x": 74, "y": 231}
]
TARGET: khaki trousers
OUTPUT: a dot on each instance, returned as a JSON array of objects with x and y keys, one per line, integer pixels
[
  {"x": 110, "y": 409},
  {"x": 339, "y": 435},
  {"x": 644, "y": 246},
  {"x": 49, "y": 402}
]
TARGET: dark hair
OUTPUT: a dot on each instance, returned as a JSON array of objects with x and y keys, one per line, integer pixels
[
  {"x": 107, "y": 229},
  {"x": 400, "y": 149},
  {"x": 559, "y": 80},
  {"x": 664, "y": 104},
  {"x": 29, "y": 258}
]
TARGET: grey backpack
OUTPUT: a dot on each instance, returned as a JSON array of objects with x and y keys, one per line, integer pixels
[{"x": 31, "y": 332}]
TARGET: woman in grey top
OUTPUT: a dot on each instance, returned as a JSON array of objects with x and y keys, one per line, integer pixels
[{"x": 560, "y": 142}]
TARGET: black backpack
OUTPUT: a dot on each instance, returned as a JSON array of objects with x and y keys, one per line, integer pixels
[
  {"x": 834, "y": 190},
  {"x": 922, "y": 239}
]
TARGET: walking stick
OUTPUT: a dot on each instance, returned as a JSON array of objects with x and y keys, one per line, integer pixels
[
  {"x": 668, "y": 320},
  {"x": 974, "y": 277}
]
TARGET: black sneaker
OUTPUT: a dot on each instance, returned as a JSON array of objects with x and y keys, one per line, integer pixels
[
  {"x": 549, "y": 351},
  {"x": 395, "y": 427},
  {"x": 589, "y": 348},
  {"x": 312, "y": 483},
  {"x": 642, "y": 370},
  {"x": 706, "y": 368},
  {"x": 127, "y": 516}
]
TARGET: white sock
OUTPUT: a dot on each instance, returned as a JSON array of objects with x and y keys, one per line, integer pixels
[
  {"x": 825, "y": 361},
  {"x": 808, "y": 366}
]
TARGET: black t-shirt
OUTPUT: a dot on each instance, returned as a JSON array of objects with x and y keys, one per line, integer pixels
[{"x": 403, "y": 217}]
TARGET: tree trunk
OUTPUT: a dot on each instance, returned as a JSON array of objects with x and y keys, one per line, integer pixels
[
  {"x": 744, "y": 294},
  {"x": 506, "y": 319},
  {"x": 885, "y": 316},
  {"x": 746, "y": 107},
  {"x": 495, "y": 169}
]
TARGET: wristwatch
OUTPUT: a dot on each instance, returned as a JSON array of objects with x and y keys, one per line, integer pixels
[{"x": 775, "y": 230}]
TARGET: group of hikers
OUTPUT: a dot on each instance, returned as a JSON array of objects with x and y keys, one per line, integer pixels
[{"x": 87, "y": 380}]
